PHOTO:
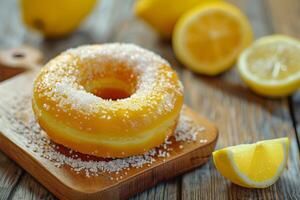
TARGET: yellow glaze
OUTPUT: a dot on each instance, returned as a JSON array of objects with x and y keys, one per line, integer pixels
[{"x": 69, "y": 103}]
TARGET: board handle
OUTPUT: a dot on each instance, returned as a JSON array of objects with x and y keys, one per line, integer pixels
[{"x": 14, "y": 61}]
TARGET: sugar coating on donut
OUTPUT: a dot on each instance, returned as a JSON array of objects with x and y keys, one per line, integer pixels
[{"x": 61, "y": 80}]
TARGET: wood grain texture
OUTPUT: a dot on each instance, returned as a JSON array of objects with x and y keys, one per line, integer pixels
[
  {"x": 295, "y": 111},
  {"x": 285, "y": 19},
  {"x": 166, "y": 190},
  {"x": 9, "y": 175},
  {"x": 10, "y": 35},
  {"x": 242, "y": 117},
  {"x": 29, "y": 188},
  {"x": 285, "y": 16}
]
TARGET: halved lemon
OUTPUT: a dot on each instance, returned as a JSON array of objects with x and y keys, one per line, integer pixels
[
  {"x": 208, "y": 38},
  {"x": 271, "y": 66},
  {"x": 256, "y": 165}
]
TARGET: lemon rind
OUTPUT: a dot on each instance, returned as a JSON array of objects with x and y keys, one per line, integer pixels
[
  {"x": 246, "y": 74},
  {"x": 190, "y": 61},
  {"x": 261, "y": 184}
]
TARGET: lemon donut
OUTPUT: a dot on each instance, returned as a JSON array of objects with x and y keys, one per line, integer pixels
[{"x": 110, "y": 100}]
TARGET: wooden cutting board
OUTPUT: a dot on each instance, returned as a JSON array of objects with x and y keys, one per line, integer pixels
[{"x": 66, "y": 183}]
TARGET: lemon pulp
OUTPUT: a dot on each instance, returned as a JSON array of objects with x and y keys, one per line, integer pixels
[
  {"x": 271, "y": 66},
  {"x": 256, "y": 165},
  {"x": 209, "y": 38}
]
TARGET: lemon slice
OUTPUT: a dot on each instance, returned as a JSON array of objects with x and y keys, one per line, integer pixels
[
  {"x": 163, "y": 14},
  {"x": 271, "y": 66},
  {"x": 209, "y": 38},
  {"x": 256, "y": 165}
]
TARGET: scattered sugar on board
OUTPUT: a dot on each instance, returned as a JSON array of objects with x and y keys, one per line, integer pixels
[
  {"x": 22, "y": 122},
  {"x": 186, "y": 129}
]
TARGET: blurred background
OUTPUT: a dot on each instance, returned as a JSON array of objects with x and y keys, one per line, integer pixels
[{"x": 109, "y": 21}]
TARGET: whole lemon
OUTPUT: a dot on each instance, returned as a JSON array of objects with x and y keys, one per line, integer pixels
[
  {"x": 55, "y": 18},
  {"x": 162, "y": 15}
]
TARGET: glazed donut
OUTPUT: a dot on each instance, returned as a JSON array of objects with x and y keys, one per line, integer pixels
[{"x": 109, "y": 100}]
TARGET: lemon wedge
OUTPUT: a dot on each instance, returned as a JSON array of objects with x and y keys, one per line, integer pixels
[
  {"x": 271, "y": 66},
  {"x": 163, "y": 14},
  {"x": 256, "y": 165},
  {"x": 208, "y": 38}
]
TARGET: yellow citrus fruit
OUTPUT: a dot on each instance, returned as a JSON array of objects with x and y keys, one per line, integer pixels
[
  {"x": 271, "y": 66},
  {"x": 209, "y": 38},
  {"x": 163, "y": 14},
  {"x": 256, "y": 165},
  {"x": 55, "y": 18}
]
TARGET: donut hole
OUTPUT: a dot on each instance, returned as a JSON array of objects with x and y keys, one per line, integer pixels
[
  {"x": 111, "y": 93},
  {"x": 110, "y": 80},
  {"x": 111, "y": 88}
]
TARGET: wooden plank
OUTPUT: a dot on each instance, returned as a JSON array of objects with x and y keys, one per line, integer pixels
[
  {"x": 285, "y": 18},
  {"x": 295, "y": 111},
  {"x": 10, "y": 172},
  {"x": 29, "y": 189},
  {"x": 242, "y": 117},
  {"x": 167, "y": 190}
]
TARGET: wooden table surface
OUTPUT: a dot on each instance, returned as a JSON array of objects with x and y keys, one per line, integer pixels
[{"x": 240, "y": 115}]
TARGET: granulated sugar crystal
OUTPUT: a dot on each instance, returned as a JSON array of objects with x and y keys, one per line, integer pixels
[{"x": 22, "y": 121}]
